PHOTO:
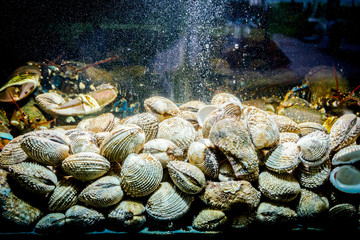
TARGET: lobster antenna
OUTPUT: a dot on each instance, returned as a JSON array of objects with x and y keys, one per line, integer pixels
[
  {"x": 337, "y": 85},
  {"x": 97, "y": 63}
]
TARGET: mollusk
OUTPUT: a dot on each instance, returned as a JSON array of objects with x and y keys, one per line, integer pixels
[
  {"x": 168, "y": 203},
  {"x": 147, "y": 122},
  {"x": 347, "y": 155},
  {"x": 288, "y": 137},
  {"x": 190, "y": 117},
  {"x": 187, "y": 177},
  {"x": 64, "y": 195},
  {"x": 126, "y": 139},
  {"x": 161, "y": 107},
  {"x": 177, "y": 130},
  {"x": 309, "y": 127},
  {"x": 346, "y": 178},
  {"x": 311, "y": 205},
  {"x": 285, "y": 158},
  {"x": 103, "y": 123},
  {"x": 221, "y": 98},
  {"x": 232, "y": 138},
  {"x": 271, "y": 213},
  {"x": 285, "y": 124},
  {"x": 86, "y": 166},
  {"x": 140, "y": 174},
  {"x": 84, "y": 219},
  {"x": 128, "y": 215},
  {"x": 192, "y": 106},
  {"x": 12, "y": 153},
  {"x": 209, "y": 219},
  {"x": 51, "y": 223},
  {"x": 83, "y": 141},
  {"x": 313, "y": 176}
]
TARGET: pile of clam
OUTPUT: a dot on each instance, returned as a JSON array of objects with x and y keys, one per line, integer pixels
[{"x": 213, "y": 166}]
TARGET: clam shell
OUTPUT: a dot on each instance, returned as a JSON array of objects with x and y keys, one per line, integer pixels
[
  {"x": 161, "y": 107},
  {"x": 34, "y": 177},
  {"x": 344, "y": 132},
  {"x": 275, "y": 213},
  {"x": 147, "y": 122},
  {"x": 233, "y": 109},
  {"x": 315, "y": 148},
  {"x": 187, "y": 177},
  {"x": 64, "y": 195},
  {"x": 51, "y": 223},
  {"x": 127, "y": 215},
  {"x": 104, "y": 192},
  {"x": 242, "y": 219},
  {"x": 126, "y": 139},
  {"x": 192, "y": 106},
  {"x": 309, "y": 127},
  {"x": 232, "y": 138},
  {"x": 347, "y": 155},
  {"x": 163, "y": 150},
  {"x": 263, "y": 130},
  {"x": 86, "y": 166},
  {"x": 226, "y": 172},
  {"x": 288, "y": 137},
  {"x": 12, "y": 153},
  {"x": 102, "y": 123},
  {"x": 177, "y": 130},
  {"x": 212, "y": 118},
  {"x": 82, "y": 141},
  {"x": 281, "y": 187},
  {"x": 286, "y": 124},
  {"x": 190, "y": 117},
  {"x": 285, "y": 158},
  {"x": 140, "y": 174},
  {"x": 168, "y": 203},
  {"x": 204, "y": 112},
  {"x": 209, "y": 219},
  {"x": 312, "y": 205},
  {"x": 221, "y": 98},
  {"x": 313, "y": 176},
  {"x": 203, "y": 155},
  {"x": 83, "y": 218},
  {"x": 343, "y": 214},
  {"x": 346, "y": 178},
  {"x": 223, "y": 195},
  {"x": 47, "y": 147}
]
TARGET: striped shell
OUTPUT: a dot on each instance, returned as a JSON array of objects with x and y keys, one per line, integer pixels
[
  {"x": 313, "y": 176},
  {"x": 209, "y": 219},
  {"x": 285, "y": 124},
  {"x": 140, "y": 174},
  {"x": 347, "y": 155},
  {"x": 47, "y": 147},
  {"x": 346, "y": 178},
  {"x": 34, "y": 177},
  {"x": 177, "y": 130},
  {"x": 12, "y": 153},
  {"x": 230, "y": 108},
  {"x": 281, "y": 187},
  {"x": 86, "y": 166},
  {"x": 102, "y": 123},
  {"x": 275, "y": 213},
  {"x": 83, "y": 141},
  {"x": 187, "y": 177},
  {"x": 263, "y": 130},
  {"x": 163, "y": 150},
  {"x": 168, "y": 203},
  {"x": 212, "y": 118},
  {"x": 345, "y": 131},
  {"x": 343, "y": 214},
  {"x": 312, "y": 205},
  {"x": 285, "y": 158},
  {"x": 192, "y": 106},
  {"x": 161, "y": 107},
  {"x": 64, "y": 195},
  {"x": 315, "y": 148},
  {"x": 190, "y": 117},
  {"x": 127, "y": 215},
  {"x": 224, "y": 195},
  {"x": 147, "y": 122},
  {"x": 309, "y": 127},
  {"x": 288, "y": 137},
  {"x": 51, "y": 223},
  {"x": 126, "y": 139},
  {"x": 203, "y": 155},
  {"x": 104, "y": 192},
  {"x": 81, "y": 218},
  {"x": 221, "y": 98},
  {"x": 232, "y": 138}
]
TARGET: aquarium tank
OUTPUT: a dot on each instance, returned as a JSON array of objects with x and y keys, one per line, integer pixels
[{"x": 104, "y": 105}]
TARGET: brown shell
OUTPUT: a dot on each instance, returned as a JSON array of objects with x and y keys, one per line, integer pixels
[
  {"x": 285, "y": 158},
  {"x": 82, "y": 218},
  {"x": 12, "y": 153},
  {"x": 64, "y": 195},
  {"x": 309, "y": 127},
  {"x": 345, "y": 131},
  {"x": 275, "y": 213},
  {"x": 102, "y": 123},
  {"x": 312, "y": 205},
  {"x": 209, "y": 219},
  {"x": 161, "y": 107},
  {"x": 86, "y": 166},
  {"x": 147, "y": 122},
  {"x": 288, "y": 137},
  {"x": 221, "y": 98},
  {"x": 127, "y": 215},
  {"x": 190, "y": 117},
  {"x": 286, "y": 124},
  {"x": 192, "y": 106}
]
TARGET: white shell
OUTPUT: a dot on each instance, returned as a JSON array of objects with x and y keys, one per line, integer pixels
[{"x": 204, "y": 112}]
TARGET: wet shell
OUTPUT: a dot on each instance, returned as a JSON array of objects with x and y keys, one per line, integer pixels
[
  {"x": 82, "y": 141},
  {"x": 163, "y": 150},
  {"x": 288, "y": 137},
  {"x": 344, "y": 214},
  {"x": 192, "y": 106},
  {"x": 285, "y": 158},
  {"x": 226, "y": 172},
  {"x": 223, "y": 195},
  {"x": 177, "y": 130},
  {"x": 309, "y": 127},
  {"x": 346, "y": 178},
  {"x": 126, "y": 139},
  {"x": 232, "y": 138},
  {"x": 243, "y": 218},
  {"x": 12, "y": 153},
  {"x": 190, "y": 117},
  {"x": 344, "y": 132},
  {"x": 221, "y": 98},
  {"x": 187, "y": 177},
  {"x": 86, "y": 166},
  {"x": 161, "y": 107},
  {"x": 127, "y": 215},
  {"x": 282, "y": 187},
  {"x": 212, "y": 118},
  {"x": 102, "y": 123},
  {"x": 104, "y": 192},
  {"x": 263, "y": 130},
  {"x": 347, "y": 155},
  {"x": 51, "y": 223},
  {"x": 233, "y": 109},
  {"x": 140, "y": 174},
  {"x": 64, "y": 195},
  {"x": 313, "y": 176},
  {"x": 203, "y": 155},
  {"x": 168, "y": 203},
  {"x": 45, "y": 150},
  {"x": 315, "y": 148},
  {"x": 147, "y": 122},
  {"x": 275, "y": 213},
  {"x": 34, "y": 177},
  {"x": 84, "y": 219},
  {"x": 209, "y": 219},
  {"x": 286, "y": 124},
  {"x": 312, "y": 205}
]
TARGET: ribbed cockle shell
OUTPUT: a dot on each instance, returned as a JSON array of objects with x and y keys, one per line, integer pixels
[
  {"x": 161, "y": 107},
  {"x": 147, "y": 122},
  {"x": 209, "y": 219},
  {"x": 344, "y": 132}
]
